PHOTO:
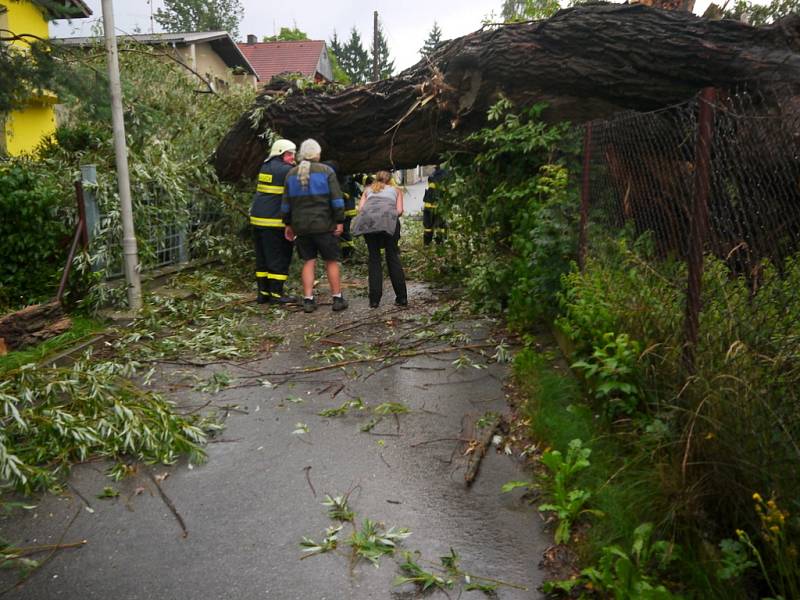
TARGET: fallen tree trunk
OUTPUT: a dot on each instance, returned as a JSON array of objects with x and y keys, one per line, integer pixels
[
  {"x": 586, "y": 62},
  {"x": 33, "y": 324}
]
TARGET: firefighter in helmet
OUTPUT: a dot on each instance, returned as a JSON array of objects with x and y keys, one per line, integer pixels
[
  {"x": 273, "y": 250},
  {"x": 433, "y": 224}
]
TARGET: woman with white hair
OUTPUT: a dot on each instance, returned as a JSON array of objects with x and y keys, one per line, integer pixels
[{"x": 313, "y": 211}]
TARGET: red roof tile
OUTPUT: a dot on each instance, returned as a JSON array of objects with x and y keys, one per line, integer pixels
[{"x": 273, "y": 58}]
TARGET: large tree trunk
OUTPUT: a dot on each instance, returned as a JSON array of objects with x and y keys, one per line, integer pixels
[
  {"x": 31, "y": 325},
  {"x": 585, "y": 62}
]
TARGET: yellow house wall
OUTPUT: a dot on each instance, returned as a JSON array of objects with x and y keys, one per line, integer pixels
[
  {"x": 24, "y": 129},
  {"x": 25, "y": 17}
]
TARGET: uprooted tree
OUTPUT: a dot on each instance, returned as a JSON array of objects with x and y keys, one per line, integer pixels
[{"x": 586, "y": 62}]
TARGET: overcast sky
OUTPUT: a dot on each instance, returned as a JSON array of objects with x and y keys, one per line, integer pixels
[{"x": 405, "y": 23}]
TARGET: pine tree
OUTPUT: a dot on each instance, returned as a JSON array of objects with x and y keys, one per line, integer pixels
[
  {"x": 334, "y": 52},
  {"x": 434, "y": 37},
  {"x": 354, "y": 60},
  {"x": 385, "y": 66},
  {"x": 335, "y": 45},
  {"x": 201, "y": 15}
]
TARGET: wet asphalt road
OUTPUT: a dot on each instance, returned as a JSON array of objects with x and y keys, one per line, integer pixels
[{"x": 249, "y": 506}]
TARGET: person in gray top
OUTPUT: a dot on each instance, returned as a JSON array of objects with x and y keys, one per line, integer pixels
[{"x": 378, "y": 221}]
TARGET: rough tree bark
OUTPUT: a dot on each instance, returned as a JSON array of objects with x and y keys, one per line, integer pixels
[
  {"x": 32, "y": 325},
  {"x": 585, "y": 62}
]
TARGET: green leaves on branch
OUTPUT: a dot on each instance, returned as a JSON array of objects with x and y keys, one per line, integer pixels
[
  {"x": 373, "y": 540},
  {"x": 53, "y": 417}
]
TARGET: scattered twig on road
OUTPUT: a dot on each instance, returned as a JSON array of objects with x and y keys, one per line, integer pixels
[
  {"x": 380, "y": 454},
  {"x": 30, "y": 550},
  {"x": 197, "y": 409},
  {"x": 55, "y": 548},
  {"x": 81, "y": 496},
  {"x": 438, "y": 440},
  {"x": 169, "y": 504},
  {"x": 384, "y": 357},
  {"x": 308, "y": 479}
]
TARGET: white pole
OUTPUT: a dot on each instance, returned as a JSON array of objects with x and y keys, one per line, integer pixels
[{"x": 130, "y": 253}]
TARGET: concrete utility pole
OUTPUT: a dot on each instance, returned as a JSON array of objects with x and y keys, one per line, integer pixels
[
  {"x": 130, "y": 252},
  {"x": 376, "y": 71}
]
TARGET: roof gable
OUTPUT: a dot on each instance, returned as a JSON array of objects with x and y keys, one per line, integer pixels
[
  {"x": 221, "y": 42},
  {"x": 273, "y": 58}
]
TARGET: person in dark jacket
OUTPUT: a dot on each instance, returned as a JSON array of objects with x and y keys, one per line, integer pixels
[
  {"x": 273, "y": 250},
  {"x": 351, "y": 192},
  {"x": 313, "y": 211},
  {"x": 432, "y": 222}
]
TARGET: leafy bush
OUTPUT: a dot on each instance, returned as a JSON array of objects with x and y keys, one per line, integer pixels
[
  {"x": 512, "y": 214},
  {"x": 567, "y": 503},
  {"x": 628, "y": 575},
  {"x": 35, "y": 229},
  {"x": 611, "y": 371},
  {"x": 733, "y": 427},
  {"x": 171, "y": 132}
]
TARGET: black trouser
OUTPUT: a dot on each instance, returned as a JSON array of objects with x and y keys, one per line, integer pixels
[
  {"x": 433, "y": 225},
  {"x": 346, "y": 240},
  {"x": 376, "y": 242},
  {"x": 273, "y": 257}
]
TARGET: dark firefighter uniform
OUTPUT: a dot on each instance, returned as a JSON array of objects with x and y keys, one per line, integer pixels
[
  {"x": 273, "y": 250},
  {"x": 432, "y": 222},
  {"x": 351, "y": 193}
]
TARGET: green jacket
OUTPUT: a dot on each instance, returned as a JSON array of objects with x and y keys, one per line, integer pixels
[{"x": 316, "y": 208}]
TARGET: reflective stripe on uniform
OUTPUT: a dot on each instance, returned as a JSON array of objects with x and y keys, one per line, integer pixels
[
  {"x": 426, "y": 205},
  {"x": 270, "y": 189},
  {"x": 351, "y": 212},
  {"x": 274, "y": 295},
  {"x": 427, "y": 230},
  {"x": 265, "y": 177},
  {"x": 262, "y": 274},
  {"x": 277, "y": 276},
  {"x": 431, "y": 186},
  {"x": 259, "y": 222}
]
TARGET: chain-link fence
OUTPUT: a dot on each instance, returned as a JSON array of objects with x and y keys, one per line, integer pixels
[{"x": 710, "y": 192}]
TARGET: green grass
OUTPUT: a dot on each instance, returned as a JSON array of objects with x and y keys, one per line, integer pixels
[
  {"x": 625, "y": 483},
  {"x": 82, "y": 327}
]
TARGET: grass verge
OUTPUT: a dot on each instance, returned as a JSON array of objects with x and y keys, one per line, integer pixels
[
  {"x": 626, "y": 483},
  {"x": 82, "y": 327}
]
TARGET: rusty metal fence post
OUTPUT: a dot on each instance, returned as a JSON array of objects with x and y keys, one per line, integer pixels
[
  {"x": 587, "y": 162},
  {"x": 699, "y": 224}
]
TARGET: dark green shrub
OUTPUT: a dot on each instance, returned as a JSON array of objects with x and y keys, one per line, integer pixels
[
  {"x": 512, "y": 214},
  {"x": 35, "y": 231}
]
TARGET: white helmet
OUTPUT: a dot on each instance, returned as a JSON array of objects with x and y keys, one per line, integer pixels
[{"x": 281, "y": 146}]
